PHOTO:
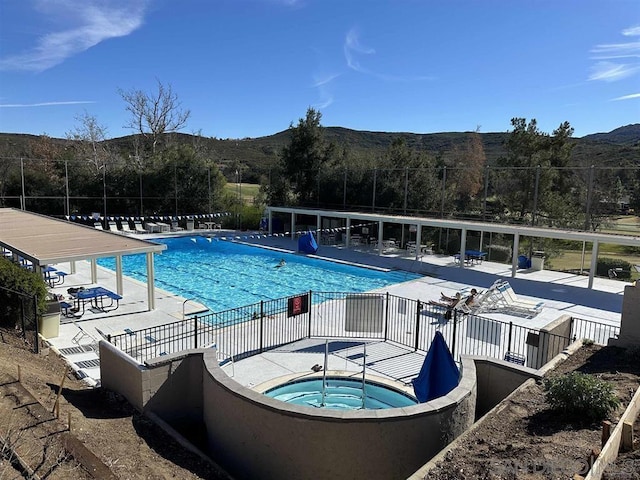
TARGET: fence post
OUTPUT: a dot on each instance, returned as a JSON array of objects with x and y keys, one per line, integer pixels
[
  {"x": 386, "y": 319},
  {"x": 261, "y": 317},
  {"x": 510, "y": 332},
  {"x": 309, "y": 325},
  {"x": 195, "y": 331},
  {"x": 261, "y": 342},
  {"x": 455, "y": 329},
  {"x": 35, "y": 312},
  {"x": 418, "y": 309}
]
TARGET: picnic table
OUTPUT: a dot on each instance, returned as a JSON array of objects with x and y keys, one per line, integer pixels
[
  {"x": 471, "y": 257},
  {"x": 98, "y": 297},
  {"x": 53, "y": 276}
]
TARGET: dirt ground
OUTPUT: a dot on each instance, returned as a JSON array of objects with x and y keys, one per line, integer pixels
[
  {"x": 525, "y": 440},
  {"x": 129, "y": 444}
]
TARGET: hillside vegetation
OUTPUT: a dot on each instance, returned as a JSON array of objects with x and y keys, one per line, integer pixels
[{"x": 618, "y": 147}]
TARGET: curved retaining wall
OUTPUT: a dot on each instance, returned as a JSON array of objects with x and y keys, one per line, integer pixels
[{"x": 255, "y": 436}]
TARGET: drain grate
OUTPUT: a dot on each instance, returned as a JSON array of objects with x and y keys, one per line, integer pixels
[
  {"x": 72, "y": 350},
  {"x": 88, "y": 364}
]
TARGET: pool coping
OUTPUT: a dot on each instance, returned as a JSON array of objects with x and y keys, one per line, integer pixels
[{"x": 275, "y": 382}]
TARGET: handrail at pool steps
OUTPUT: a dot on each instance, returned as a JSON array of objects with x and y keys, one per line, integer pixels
[{"x": 252, "y": 329}]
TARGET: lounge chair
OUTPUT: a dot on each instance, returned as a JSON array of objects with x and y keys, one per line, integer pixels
[
  {"x": 501, "y": 297},
  {"x": 152, "y": 227},
  {"x": 113, "y": 226},
  {"x": 139, "y": 228},
  {"x": 175, "y": 227},
  {"x": 163, "y": 227},
  {"x": 126, "y": 228},
  {"x": 98, "y": 226}
]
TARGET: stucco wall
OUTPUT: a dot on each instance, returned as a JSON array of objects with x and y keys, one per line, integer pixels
[
  {"x": 496, "y": 380},
  {"x": 121, "y": 373},
  {"x": 630, "y": 323},
  {"x": 254, "y": 436}
]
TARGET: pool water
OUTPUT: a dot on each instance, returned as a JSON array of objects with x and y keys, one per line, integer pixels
[
  {"x": 340, "y": 394},
  {"x": 223, "y": 274}
]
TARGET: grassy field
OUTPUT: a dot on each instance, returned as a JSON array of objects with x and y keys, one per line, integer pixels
[{"x": 248, "y": 191}]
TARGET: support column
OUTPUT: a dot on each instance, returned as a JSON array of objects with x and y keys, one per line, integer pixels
[
  {"x": 594, "y": 263},
  {"x": 94, "y": 270},
  {"x": 119, "y": 274},
  {"x": 151, "y": 298},
  {"x": 293, "y": 225},
  {"x": 380, "y": 236},
  {"x": 318, "y": 225},
  {"x": 270, "y": 223},
  {"x": 514, "y": 255},
  {"x": 347, "y": 233},
  {"x": 463, "y": 247},
  {"x": 418, "y": 241}
]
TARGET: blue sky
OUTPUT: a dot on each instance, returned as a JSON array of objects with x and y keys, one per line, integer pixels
[{"x": 249, "y": 68}]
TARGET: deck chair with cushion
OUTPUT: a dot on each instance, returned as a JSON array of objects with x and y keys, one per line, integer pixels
[
  {"x": 138, "y": 227},
  {"x": 125, "y": 227},
  {"x": 113, "y": 226}
]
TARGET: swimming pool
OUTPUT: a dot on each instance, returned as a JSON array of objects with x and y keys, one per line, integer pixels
[
  {"x": 340, "y": 394},
  {"x": 223, "y": 274}
]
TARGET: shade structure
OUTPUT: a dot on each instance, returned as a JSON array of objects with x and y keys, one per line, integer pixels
[{"x": 439, "y": 373}]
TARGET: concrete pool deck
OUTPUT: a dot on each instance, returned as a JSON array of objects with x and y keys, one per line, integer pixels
[{"x": 562, "y": 294}]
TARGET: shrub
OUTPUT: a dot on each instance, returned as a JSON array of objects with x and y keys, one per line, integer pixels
[
  {"x": 606, "y": 264},
  {"x": 581, "y": 395},
  {"x": 499, "y": 253}
]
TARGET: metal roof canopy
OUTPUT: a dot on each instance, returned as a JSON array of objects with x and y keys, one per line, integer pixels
[
  {"x": 465, "y": 226},
  {"x": 45, "y": 240}
]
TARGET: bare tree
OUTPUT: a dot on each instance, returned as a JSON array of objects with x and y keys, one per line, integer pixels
[
  {"x": 154, "y": 114},
  {"x": 90, "y": 137}
]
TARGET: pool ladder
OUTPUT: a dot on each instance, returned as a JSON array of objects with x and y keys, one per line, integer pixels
[{"x": 324, "y": 373}]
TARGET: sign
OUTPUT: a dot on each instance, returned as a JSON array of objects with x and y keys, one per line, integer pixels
[{"x": 297, "y": 305}]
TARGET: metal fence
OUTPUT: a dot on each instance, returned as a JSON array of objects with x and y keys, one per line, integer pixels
[
  {"x": 19, "y": 311},
  {"x": 121, "y": 189},
  {"x": 252, "y": 329}
]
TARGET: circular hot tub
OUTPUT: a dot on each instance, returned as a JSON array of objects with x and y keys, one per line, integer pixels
[{"x": 340, "y": 393}]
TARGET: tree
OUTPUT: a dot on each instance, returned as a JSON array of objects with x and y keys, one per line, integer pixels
[
  {"x": 305, "y": 156},
  {"x": 468, "y": 170},
  {"x": 534, "y": 178},
  {"x": 154, "y": 114}
]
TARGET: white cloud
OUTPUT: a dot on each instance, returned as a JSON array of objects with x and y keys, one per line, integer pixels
[
  {"x": 631, "y": 31},
  {"x": 628, "y": 97},
  {"x": 324, "y": 80},
  {"x": 44, "y": 104},
  {"x": 608, "y": 70},
  {"x": 352, "y": 47},
  {"x": 611, "y": 72},
  {"x": 86, "y": 24}
]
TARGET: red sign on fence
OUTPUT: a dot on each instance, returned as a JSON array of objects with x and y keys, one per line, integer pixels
[{"x": 298, "y": 305}]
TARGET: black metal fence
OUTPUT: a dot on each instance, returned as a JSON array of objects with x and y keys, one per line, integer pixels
[
  {"x": 19, "y": 311},
  {"x": 252, "y": 329}
]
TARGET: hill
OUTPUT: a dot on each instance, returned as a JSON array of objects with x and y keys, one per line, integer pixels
[{"x": 258, "y": 155}]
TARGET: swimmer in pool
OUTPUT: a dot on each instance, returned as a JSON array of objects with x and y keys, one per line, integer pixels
[{"x": 281, "y": 263}]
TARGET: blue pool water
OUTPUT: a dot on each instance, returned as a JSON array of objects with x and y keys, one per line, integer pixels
[
  {"x": 223, "y": 275},
  {"x": 340, "y": 394}
]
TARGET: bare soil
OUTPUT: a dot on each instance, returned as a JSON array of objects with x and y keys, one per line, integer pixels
[
  {"x": 108, "y": 438},
  {"x": 524, "y": 439}
]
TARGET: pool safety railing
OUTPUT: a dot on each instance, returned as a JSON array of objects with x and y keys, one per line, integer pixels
[{"x": 252, "y": 329}]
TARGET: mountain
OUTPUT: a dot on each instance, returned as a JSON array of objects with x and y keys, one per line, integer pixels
[
  {"x": 629, "y": 134},
  {"x": 618, "y": 147}
]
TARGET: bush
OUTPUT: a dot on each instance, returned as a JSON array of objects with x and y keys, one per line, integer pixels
[
  {"x": 581, "y": 395},
  {"x": 606, "y": 264},
  {"x": 499, "y": 253}
]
